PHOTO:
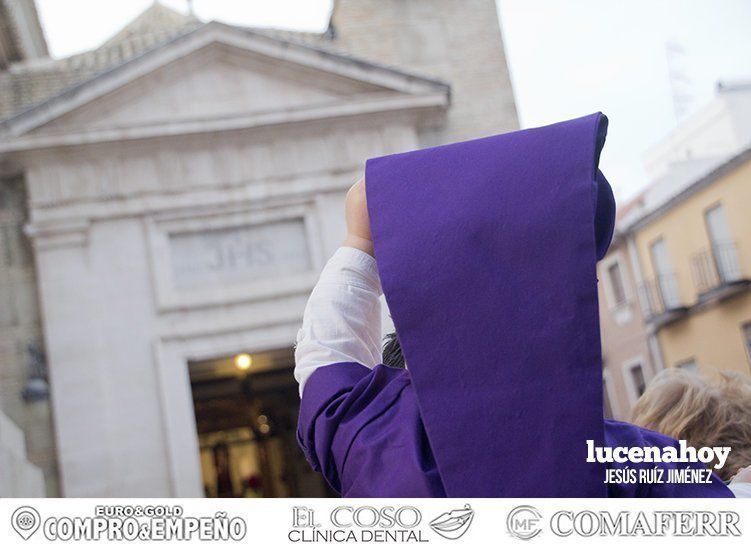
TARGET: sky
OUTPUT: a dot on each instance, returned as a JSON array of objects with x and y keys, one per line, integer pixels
[{"x": 566, "y": 58}]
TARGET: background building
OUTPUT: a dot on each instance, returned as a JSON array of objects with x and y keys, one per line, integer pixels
[
  {"x": 182, "y": 185},
  {"x": 24, "y": 405},
  {"x": 628, "y": 361},
  {"x": 694, "y": 251},
  {"x": 720, "y": 129},
  {"x": 21, "y": 35},
  {"x": 686, "y": 241}
]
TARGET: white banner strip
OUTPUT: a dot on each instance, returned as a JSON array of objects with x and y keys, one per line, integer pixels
[{"x": 284, "y": 521}]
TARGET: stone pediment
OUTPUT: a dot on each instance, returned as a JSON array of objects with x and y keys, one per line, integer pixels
[
  {"x": 215, "y": 82},
  {"x": 214, "y": 76}
]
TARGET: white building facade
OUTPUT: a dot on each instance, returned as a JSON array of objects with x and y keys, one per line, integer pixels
[
  {"x": 181, "y": 204},
  {"x": 715, "y": 132}
]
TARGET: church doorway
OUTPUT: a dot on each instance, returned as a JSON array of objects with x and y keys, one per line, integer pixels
[{"x": 246, "y": 407}]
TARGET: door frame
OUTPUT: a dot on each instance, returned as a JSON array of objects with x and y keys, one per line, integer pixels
[{"x": 176, "y": 398}]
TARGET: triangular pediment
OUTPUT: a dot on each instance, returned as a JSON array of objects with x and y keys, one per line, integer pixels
[
  {"x": 214, "y": 82},
  {"x": 218, "y": 72}
]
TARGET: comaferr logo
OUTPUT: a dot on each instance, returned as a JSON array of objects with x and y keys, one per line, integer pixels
[
  {"x": 526, "y": 522},
  {"x": 640, "y": 523}
]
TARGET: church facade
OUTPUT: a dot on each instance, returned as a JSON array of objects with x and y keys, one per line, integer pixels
[{"x": 184, "y": 187}]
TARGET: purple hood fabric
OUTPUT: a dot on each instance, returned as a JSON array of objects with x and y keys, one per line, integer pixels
[{"x": 486, "y": 251}]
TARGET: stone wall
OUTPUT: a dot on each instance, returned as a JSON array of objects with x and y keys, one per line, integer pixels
[
  {"x": 458, "y": 42},
  {"x": 18, "y": 477},
  {"x": 121, "y": 323},
  {"x": 20, "y": 330}
]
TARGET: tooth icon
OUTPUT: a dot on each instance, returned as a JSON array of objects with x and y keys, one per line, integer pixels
[{"x": 453, "y": 524}]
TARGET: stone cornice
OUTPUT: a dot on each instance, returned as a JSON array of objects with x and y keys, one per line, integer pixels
[{"x": 366, "y": 106}]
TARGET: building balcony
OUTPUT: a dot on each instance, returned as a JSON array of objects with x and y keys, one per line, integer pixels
[
  {"x": 717, "y": 273},
  {"x": 661, "y": 301}
]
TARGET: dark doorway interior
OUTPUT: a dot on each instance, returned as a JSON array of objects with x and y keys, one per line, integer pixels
[{"x": 246, "y": 411}]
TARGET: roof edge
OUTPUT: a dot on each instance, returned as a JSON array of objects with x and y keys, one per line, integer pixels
[
  {"x": 726, "y": 167},
  {"x": 49, "y": 104}
]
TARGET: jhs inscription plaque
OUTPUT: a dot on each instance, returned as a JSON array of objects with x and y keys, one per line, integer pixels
[{"x": 239, "y": 254}]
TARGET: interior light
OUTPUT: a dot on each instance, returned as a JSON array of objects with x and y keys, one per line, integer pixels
[{"x": 243, "y": 361}]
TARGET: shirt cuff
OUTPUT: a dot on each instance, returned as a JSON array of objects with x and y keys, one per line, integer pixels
[
  {"x": 741, "y": 489},
  {"x": 352, "y": 266}
]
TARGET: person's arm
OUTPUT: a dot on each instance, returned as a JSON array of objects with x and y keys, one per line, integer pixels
[
  {"x": 740, "y": 485},
  {"x": 359, "y": 422},
  {"x": 342, "y": 320},
  {"x": 741, "y": 490}
]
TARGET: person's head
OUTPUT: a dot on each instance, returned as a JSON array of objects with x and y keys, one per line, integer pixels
[
  {"x": 705, "y": 413},
  {"x": 392, "y": 352}
]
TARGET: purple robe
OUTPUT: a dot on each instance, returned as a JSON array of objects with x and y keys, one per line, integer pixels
[{"x": 486, "y": 251}]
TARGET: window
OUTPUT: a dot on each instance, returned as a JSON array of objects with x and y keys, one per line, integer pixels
[
  {"x": 717, "y": 225},
  {"x": 607, "y": 403},
  {"x": 668, "y": 290},
  {"x": 635, "y": 377},
  {"x": 747, "y": 339},
  {"x": 689, "y": 365},
  {"x": 612, "y": 272},
  {"x": 615, "y": 277},
  {"x": 723, "y": 250}
]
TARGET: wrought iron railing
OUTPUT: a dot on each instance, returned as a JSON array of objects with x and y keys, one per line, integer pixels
[
  {"x": 660, "y": 295},
  {"x": 715, "y": 267}
]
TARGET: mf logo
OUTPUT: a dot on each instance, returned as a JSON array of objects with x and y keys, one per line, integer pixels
[{"x": 524, "y": 522}]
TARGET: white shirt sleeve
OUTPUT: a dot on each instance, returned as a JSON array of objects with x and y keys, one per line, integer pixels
[
  {"x": 741, "y": 490},
  {"x": 342, "y": 320}
]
